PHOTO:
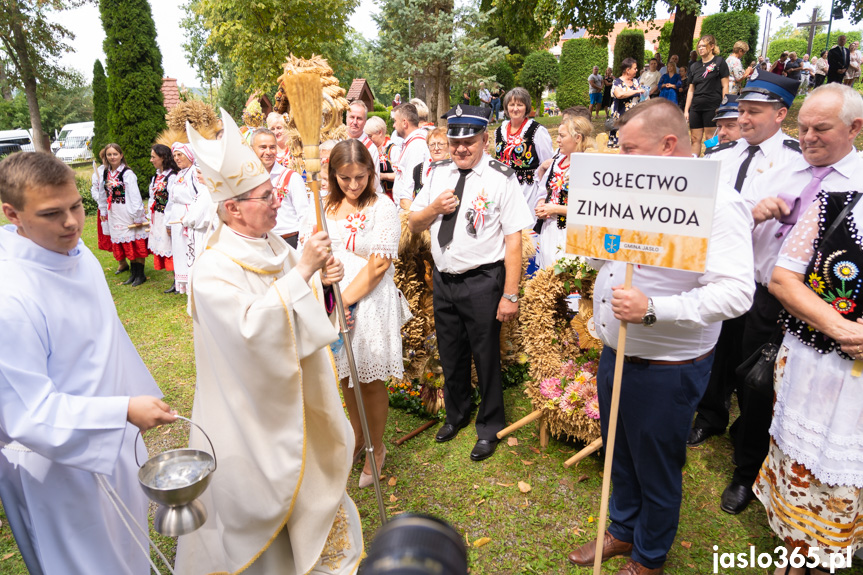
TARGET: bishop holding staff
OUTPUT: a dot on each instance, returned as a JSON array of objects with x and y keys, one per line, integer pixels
[
  {"x": 476, "y": 212},
  {"x": 267, "y": 391}
]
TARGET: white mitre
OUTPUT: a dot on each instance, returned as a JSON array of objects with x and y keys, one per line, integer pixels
[{"x": 229, "y": 167}]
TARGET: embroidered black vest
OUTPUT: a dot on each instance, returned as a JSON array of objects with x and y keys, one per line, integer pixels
[
  {"x": 563, "y": 193},
  {"x": 117, "y": 193},
  {"x": 523, "y": 158},
  {"x": 159, "y": 192},
  {"x": 834, "y": 273}
]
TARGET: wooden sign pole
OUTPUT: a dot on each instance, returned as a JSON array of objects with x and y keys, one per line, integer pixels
[{"x": 612, "y": 433}]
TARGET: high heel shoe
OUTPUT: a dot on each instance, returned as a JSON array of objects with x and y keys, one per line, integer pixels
[{"x": 367, "y": 479}]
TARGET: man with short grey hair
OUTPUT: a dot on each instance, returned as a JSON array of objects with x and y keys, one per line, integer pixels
[{"x": 356, "y": 120}]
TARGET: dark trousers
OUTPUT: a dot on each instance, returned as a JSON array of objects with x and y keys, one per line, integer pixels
[
  {"x": 819, "y": 79},
  {"x": 465, "y": 315},
  {"x": 657, "y": 403},
  {"x": 713, "y": 407},
  {"x": 291, "y": 239},
  {"x": 752, "y": 436}
]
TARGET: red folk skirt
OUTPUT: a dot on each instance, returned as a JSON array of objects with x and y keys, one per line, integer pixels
[{"x": 131, "y": 250}]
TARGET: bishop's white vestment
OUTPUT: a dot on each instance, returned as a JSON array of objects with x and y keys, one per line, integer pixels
[
  {"x": 67, "y": 372},
  {"x": 267, "y": 395}
]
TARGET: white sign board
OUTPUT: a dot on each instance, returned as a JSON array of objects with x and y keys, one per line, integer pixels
[{"x": 648, "y": 210}]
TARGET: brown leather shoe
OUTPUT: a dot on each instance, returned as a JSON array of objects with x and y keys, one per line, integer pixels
[
  {"x": 635, "y": 568},
  {"x": 611, "y": 547}
]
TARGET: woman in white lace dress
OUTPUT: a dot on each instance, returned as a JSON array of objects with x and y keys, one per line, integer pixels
[
  {"x": 811, "y": 483},
  {"x": 365, "y": 229}
]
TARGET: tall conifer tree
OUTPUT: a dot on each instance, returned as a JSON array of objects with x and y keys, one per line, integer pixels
[
  {"x": 100, "y": 109},
  {"x": 136, "y": 113}
]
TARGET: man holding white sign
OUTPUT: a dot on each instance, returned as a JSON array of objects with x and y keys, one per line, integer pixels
[{"x": 676, "y": 317}]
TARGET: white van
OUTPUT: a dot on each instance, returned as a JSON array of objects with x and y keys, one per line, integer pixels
[
  {"x": 74, "y": 143},
  {"x": 21, "y": 138}
]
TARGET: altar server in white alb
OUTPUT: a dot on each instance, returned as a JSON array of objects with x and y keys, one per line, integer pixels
[
  {"x": 267, "y": 391},
  {"x": 73, "y": 390}
]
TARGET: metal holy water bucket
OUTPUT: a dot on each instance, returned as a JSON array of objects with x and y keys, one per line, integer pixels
[{"x": 175, "y": 479}]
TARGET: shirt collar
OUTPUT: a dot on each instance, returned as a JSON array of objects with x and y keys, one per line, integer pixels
[{"x": 849, "y": 166}]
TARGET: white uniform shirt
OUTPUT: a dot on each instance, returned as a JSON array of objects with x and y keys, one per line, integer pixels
[
  {"x": 773, "y": 154},
  {"x": 507, "y": 213},
  {"x": 846, "y": 175},
  {"x": 690, "y": 307},
  {"x": 376, "y": 159},
  {"x": 414, "y": 151},
  {"x": 295, "y": 202}
]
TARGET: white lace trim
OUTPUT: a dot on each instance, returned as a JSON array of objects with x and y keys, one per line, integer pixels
[{"x": 817, "y": 468}]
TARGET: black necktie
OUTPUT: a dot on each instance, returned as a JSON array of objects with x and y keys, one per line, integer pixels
[
  {"x": 447, "y": 226},
  {"x": 744, "y": 167}
]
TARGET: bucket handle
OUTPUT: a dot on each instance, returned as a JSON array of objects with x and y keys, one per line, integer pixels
[{"x": 212, "y": 450}]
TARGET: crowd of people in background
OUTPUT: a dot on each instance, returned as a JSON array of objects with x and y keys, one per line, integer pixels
[{"x": 784, "y": 270}]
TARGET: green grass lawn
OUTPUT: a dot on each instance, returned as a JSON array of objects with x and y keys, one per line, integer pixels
[{"x": 529, "y": 532}]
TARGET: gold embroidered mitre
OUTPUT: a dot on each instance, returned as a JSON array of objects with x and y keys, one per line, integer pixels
[{"x": 229, "y": 167}]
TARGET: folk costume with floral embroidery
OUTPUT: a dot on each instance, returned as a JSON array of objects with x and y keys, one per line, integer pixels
[{"x": 122, "y": 201}]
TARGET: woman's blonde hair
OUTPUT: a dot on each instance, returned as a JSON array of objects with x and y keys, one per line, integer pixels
[
  {"x": 439, "y": 131},
  {"x": 579, "y": 125},
  {"x": 740, "y": 46},
  {"x": 710, "y": 41}
]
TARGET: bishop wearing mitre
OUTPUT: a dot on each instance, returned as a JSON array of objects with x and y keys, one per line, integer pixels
[{"x": 267, "y": 391}]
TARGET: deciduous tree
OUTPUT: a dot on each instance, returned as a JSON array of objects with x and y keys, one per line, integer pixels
[
  {"x": 33, "y": 42},
  {"x": 540, "y": 72}
]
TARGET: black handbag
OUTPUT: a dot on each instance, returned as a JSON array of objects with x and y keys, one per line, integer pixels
[{"x": 757, "y": 371}]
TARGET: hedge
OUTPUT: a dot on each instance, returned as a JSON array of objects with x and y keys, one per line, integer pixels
[
  {"x": 730, "y": 27},
  {"x": 387, "y": 118},
  {"x": 800, "y": 45},
  {"x": 83, "y": 184},
  {"x": 577, "y": 59},
  {"x": 775, "y": 49},
  {"x": 629, "y": 44}
]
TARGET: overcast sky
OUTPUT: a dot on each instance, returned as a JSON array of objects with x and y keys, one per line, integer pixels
[{"x": 86, "y": 25}]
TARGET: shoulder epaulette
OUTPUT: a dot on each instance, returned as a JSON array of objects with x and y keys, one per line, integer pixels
[
  {"x": 720, "y": 147},
  {"x": 501, "y": 167},
  {"x": 440, "y": 163},
  {"x": 793, "y": 144}
]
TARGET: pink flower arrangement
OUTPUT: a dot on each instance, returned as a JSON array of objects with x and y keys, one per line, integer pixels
[
  {"x": 550, "y": 388},
  {"x": 591, "y": 407},
  {"x": 571, "y": 399}
]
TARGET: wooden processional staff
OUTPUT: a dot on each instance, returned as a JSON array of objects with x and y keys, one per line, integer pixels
[{"x": 305, "y": 94}]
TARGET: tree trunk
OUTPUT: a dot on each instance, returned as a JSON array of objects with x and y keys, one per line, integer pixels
[
  {"x": 432, "y": 90},
  {"x": 681, "y": 35},
  {"x": 5, "y": 89},
  {"x": 443, "y": 104},
  {"x": 28, "y": 76}
]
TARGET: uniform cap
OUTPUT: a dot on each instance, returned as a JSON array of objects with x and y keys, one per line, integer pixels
[
  {"x": 466, "y": 121},
  {"x": 728, "y": 109},
  {"x": 769, "y": 87}
]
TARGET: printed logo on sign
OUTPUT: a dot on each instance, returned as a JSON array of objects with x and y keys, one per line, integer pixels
[{"x": 612, "y": 243}]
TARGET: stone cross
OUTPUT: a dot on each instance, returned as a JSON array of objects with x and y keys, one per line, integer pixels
[{"x": 812, "y": 24}]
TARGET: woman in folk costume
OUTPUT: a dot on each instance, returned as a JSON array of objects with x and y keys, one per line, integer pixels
[
  {"x": 573, "y": 136},
  {"x": 183, "y": 190},
  {"x": 365, "y": 231},
  {"x": 267, "y": 392},
  {"x": 126, "y": 214},
  {"x": 102, "y": 233},
  {"x": 159, "y": 241},
  {"x": 521, "y": 143}
]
